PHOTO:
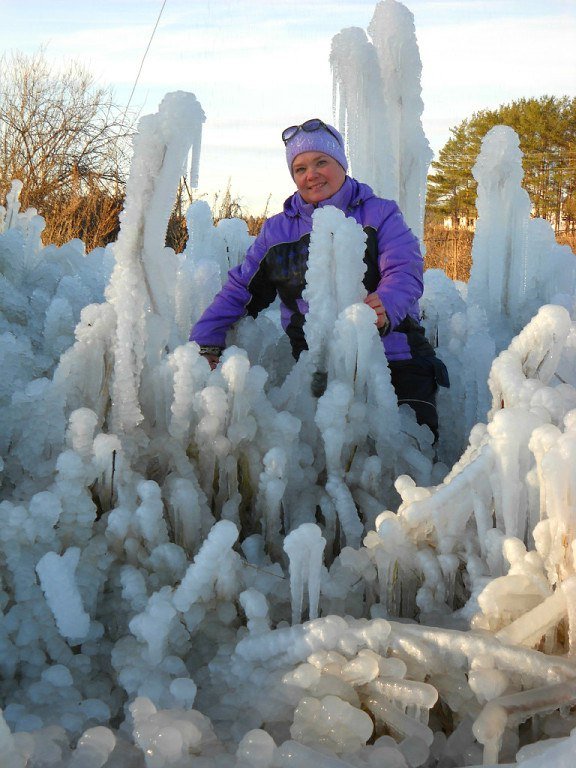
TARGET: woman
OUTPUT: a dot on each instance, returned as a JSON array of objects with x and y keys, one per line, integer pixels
[{"x": 275, "y": 265}]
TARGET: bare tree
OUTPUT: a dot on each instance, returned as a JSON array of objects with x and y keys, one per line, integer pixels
[{"x": 64, "y": 137}]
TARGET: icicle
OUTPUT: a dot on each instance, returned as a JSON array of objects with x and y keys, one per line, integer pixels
[{"x": 305, "y": 547}]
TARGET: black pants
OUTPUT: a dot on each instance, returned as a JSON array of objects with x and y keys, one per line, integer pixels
[{"x": 416, "y": 383}]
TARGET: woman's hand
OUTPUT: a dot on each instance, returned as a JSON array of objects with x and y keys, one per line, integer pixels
[
  {"x": 211, "y": 354},
  {"x": 213, "y": 360},
  {"x": 373, "y": 300}
]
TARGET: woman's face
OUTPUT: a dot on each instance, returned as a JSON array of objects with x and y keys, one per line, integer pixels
[{"x": 317, "y": 176}]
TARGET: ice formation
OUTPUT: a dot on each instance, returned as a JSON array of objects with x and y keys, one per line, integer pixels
[
  {"x": 377, "y": 96},
  {"x": 216, "y": 568},
  {"x": 507, "y": 277}
]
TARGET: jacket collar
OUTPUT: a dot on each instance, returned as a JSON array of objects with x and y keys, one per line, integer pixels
[{"x": 351, "y": 194}]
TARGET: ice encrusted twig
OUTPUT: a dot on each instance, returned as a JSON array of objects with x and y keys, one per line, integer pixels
[{"x": 138, "y": 289}]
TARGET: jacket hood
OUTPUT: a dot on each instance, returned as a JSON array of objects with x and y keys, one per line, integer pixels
[{"x": 351, "y": 194}]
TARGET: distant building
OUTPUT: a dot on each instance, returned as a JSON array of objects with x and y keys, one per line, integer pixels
[
  {"x": 460, "y": 222},
  {"x": 560, "y": 225}
]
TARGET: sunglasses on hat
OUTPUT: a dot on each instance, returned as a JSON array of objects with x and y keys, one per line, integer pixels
[{"x": 309, "y": 126}]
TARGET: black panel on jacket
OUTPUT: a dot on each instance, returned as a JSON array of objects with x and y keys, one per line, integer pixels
[{"x": 283, "y": 272}]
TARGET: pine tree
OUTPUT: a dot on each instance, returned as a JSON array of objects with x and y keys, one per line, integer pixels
[{"x": 546, "y": 129}]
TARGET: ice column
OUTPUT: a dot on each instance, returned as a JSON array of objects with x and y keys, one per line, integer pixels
[
  {"x": 356, "y": 72},
  {"x": 381, "y": 118},
  {"x": 336, "y": 251},
  {"x": 530, "y": 361},
  {"x": 305, "y": 547},
  {"x": 200, "y": 274},
  {"x": 510, "y": 247},
  {"x": 499, "y": 252},
  {"x": 334, "y": 277},
  {"x": 142, "y": 283},
  {"x": 213, "y": 570},
  {"x": 271, "y": 489},
  {"x": 394, "y": 35},
  {"x": 30, "y": 225},
  {"x": 555, "y": 453},
  {"x": 12, "y": 210},
  {"x": 58, "y": 580},
  {"x": 179, "y": 125}
]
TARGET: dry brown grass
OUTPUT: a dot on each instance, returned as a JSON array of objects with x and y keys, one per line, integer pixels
[
  {"x": 449, "y": 250},
  {"x": 93, "y": 218},
  {"x": 567, "y": 238}
]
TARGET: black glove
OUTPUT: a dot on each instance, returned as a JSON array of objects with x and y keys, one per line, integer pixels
[{"x": 319, "y": 383}]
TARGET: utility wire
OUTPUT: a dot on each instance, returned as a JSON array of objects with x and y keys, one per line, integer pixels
[{"x": 145, "y": 54}]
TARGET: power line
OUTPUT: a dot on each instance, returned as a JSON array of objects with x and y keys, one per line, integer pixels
[{"x": 145, "y": 54}]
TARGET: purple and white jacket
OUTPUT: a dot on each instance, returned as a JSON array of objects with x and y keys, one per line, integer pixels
[{"x": 275, "y": 265}]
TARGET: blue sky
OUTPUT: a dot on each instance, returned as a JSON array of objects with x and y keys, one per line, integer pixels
[{"x": 258, "y": 66}]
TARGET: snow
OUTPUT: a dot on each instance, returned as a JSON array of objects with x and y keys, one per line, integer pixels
[{"x": 221, "y": 567}]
